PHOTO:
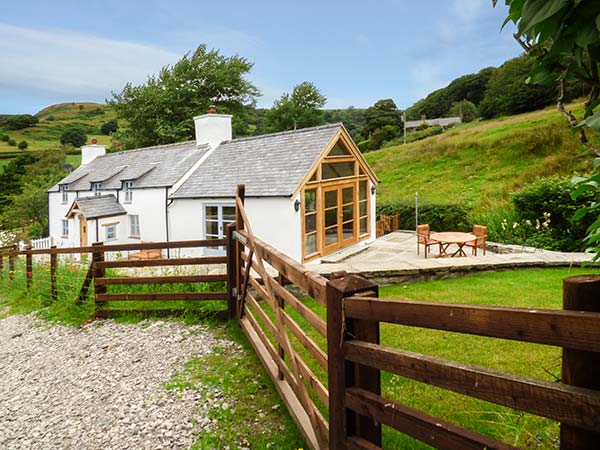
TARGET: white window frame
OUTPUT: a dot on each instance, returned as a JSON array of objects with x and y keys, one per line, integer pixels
[
  {"x": 64, "y": 189},
  {"x": 108, "y": 230},
  {"x": 221, "y": 226},
  {"x": 128, "y": 188},
  {"x": 96, "y": 188},
  {"x": 134, "y": 226},
  {"x": 65, "y": 227}
]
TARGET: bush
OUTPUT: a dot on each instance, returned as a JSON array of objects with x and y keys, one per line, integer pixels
[
  {"x": 440, "y": 217},
  {"x": 423, "y": 126},
  {"x": 4, "y": 138},
  {"x": 109, "y": 127},
  {"x": 12, "y": 142},
  {"x": 546, "y": 206},
  {"x": 51, "y": 118},
  {"x": 381, "y": 135},
  {"x": 74, "y": 135},
  {"x": 363, "y": 146},
  {"x": 415, "y": 136},
  {"x": 23, "y": 145},
  {"x": 20, "y": 121},
  {"x": 81, "y": 107}
]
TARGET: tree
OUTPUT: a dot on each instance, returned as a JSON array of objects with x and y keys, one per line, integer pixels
[
  {"x": 383, "y": 112},
  {"x": 10, "y": 177},
  {"x": 300, "y": 109},
  {"x": 20, "y": 121},
  {"x": 382, "y": 135},
  {"x": 509, "y": 93},
  {"x": 74, "y": 135},
  {"x": 564, "y": 38},
  {"x": 161, "y": 111},
  {"x": 23, "y": 145},
  {"x": 464, "y": 109},
  {"x": 109, "y": 127}
]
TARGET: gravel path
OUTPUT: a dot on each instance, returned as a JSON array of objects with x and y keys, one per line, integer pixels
[{"x": 100, "y": 386}]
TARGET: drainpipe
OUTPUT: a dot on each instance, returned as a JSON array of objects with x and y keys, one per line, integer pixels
[
  {"x": 97, "y": 230},
  {"x": 168, "y": 202}
]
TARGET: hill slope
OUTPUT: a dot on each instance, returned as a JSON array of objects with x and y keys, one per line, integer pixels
[
  {"x": 481, "y": 163},
  {"x": 53, "y": 121}
]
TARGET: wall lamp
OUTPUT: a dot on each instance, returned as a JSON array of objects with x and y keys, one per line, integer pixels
[
  {"x": 297, "y": 205},
  {"x": 373, "y": 190}
]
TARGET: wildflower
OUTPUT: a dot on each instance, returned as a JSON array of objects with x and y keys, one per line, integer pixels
[
  {"x": 29, "y": 274},
  {"x": 515, "y": 225}
]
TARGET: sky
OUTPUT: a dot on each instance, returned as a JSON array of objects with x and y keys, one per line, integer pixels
[{"x": 355, "y": 52}]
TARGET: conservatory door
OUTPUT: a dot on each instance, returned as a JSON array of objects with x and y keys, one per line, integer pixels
[
  {"x": 338, "y": 211},
  {"x": 216, "y": 218}
]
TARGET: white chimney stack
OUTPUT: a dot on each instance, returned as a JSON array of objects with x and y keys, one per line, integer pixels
[
  {"x": 91, "y": 152},
  {"x": 213, "y": 128}
]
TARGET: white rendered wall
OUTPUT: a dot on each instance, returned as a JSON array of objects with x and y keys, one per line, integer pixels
[{"x": 273, "y": 220}]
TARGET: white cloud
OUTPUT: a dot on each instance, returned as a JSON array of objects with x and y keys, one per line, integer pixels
[
  {"x": 469, "y": 11},
  {"x": 426, "y": 78},
  {"x": 74, "y": 64}
]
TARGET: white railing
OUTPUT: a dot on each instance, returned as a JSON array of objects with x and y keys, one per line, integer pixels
[{"x": 41, "y": 244}]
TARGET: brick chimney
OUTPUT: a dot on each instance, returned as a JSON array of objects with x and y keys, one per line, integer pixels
[{"x": 213, "y": 128}]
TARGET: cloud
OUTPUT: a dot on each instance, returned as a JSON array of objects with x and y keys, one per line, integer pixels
[
  {"x": 74, "y": 65},
  {"x": 426, "y": 77},
  {"x": 469, "y": 11}
]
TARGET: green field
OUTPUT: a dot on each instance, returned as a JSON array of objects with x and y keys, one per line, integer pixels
[
  {"x": 53, "y": 121},
  {"x": 481, "y": 163}
]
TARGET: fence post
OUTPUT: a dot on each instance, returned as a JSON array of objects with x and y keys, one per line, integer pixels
[
  {"x": 280, "y": 304},
  {"x": 53, "y": 264},
  {"x": 342, "y": 373},
  {"x": 239, "y": 262},
  {"x": 99, "y": 272},
  {"x": 11, "y": 263},
  {"x": 28, "y": 265},
  {"x": 1, "y": 264},
  {"x": 580, "y": 368},
  {"x": 231, "y": 270}
]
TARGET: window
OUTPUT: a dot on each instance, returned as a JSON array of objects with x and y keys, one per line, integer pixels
[
  {"x": 128, "y": 185},
  {"x": 65, "y": 227},
  {"x": 110, "y": 232},
  {"x": 310, "y": 221},
  {"x": 64, "y": 189},
  {"x": 363, "y": 207},
  {"x": 134, "y": 226},
  {"x": 216, "y": 219},
  {"x": 96, "y": 188}
]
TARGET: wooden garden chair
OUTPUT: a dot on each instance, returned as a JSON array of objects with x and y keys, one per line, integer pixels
[
  {"x": 423, "y": 238},
  {"x": 481, "y": 232}
]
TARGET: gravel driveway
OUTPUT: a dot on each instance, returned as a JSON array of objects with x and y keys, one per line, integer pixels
[{"x": 100, "y": 386}]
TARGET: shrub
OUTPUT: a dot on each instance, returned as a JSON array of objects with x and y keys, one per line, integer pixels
[
  {"x": 23, "y": 145},
  {"x": 12, "y": 142},
  {"x": 51, "y": 118},
  {"x": 4, "y": 137},
  {"x": 440, "y": 217},
  {"x": 548, "y": 208},
  {"x": 423, "y": 126},
  {"x": 110, "y": 127},
  {"x": 382, "y": 135},
  {"x": 81, "y": 107},
  {"x": 74, "y": 135},
  {"x": 363, "y": 146}
]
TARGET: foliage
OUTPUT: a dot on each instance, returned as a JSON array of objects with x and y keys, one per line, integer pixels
[
  {"x": 564, "y": 38},
  {"x": 469, "y": 87},
  {"x": 382, "y": 113},
  {"x": 12, "y": 142},
  {"x": 353, "y": 119},
  {"x": 363, "y": 146},
  {"x": 5, "y": 138},
  {"x": 109, "y": 127},
  {"x": 23, "y": 145},
  {"x": 300, "y": 109},
  {"x": 73, "y": 135},
  {"x": 160, "y": 111},
  {"x": 585, "y": 187},
  {"x": 423, "y": 126},
  {"x": 440, "y": 217},
  {"x": 464, "y": 109},
  {"x": 508, "y": 93},
  {"x": 415, "y": 136},
  {"x": 19, "y": 121},
  {"x": 382, "y": 135}
]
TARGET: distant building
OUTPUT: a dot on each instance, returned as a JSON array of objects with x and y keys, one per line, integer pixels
[
  {"x": 309, "y": 192},
  {"x": 443, "y": 122}
]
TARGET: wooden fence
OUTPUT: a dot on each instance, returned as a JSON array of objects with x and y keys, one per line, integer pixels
[
  {"x": 96, "y": 272},
  {"x": 387, "y": 224},
  {"x": 351, "y": 396}
]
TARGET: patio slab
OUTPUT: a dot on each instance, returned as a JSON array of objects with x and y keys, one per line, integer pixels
[{"x": 393, "y": 259}]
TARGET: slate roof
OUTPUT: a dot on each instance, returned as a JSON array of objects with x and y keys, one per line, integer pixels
[
  {"x": 159, "y": 166},
  {"x": 269, "y": 165},
  {"x": 442, "y": 121},
  {"x": 98, "y": 206}
]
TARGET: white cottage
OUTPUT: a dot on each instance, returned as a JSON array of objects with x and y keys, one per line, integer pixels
[{"x": 309, "y": 192}]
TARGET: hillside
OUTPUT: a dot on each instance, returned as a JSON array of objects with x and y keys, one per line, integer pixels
[
  {"x": 53, "y": 121},
  {"x": 481, "y": 163}
]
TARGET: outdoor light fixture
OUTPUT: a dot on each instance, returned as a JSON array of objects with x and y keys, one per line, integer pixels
[
  {"x": 372, "y": 190},
  {"x": 297, "y": 205}
]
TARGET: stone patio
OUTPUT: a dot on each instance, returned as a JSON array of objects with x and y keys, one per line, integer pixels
[{"x": 393, "y": 259}]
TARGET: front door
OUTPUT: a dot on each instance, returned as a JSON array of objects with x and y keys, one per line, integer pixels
[
  {"x": 83, "y": 231},
  {"x": 216, "y": 218},
  {"x": 338, "y": 212}
]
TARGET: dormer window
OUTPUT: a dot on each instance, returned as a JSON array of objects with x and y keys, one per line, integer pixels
[
  {"x": 128, "y": 187},
  {"x": 64, "y": 189},
  {"x": 96, "y": 188}
]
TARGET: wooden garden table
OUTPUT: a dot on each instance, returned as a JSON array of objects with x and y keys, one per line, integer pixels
[{"x": 446, "y": 239}]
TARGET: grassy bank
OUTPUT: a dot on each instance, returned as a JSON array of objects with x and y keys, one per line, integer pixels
[{"x": 481, "y": 163}]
